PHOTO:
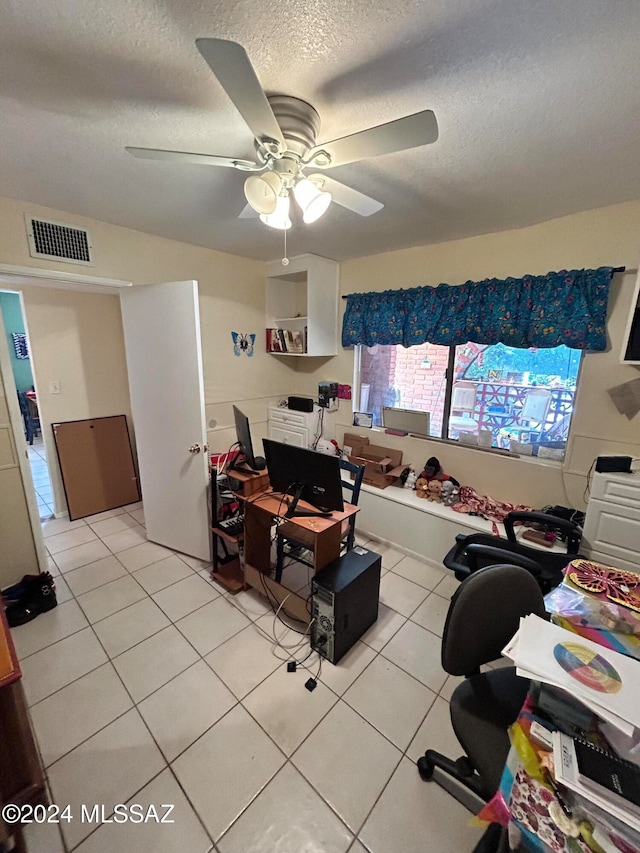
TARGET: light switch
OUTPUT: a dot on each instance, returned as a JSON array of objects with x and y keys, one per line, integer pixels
[{"x": 54, "y": 386}]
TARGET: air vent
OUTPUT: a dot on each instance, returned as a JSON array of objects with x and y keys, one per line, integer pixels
[{"x": 58, "y": 242}]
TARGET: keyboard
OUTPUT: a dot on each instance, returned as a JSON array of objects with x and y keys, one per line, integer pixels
[{"x": 232, "y": 526}]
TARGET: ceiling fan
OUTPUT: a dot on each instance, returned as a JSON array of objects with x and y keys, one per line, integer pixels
[{"x": 285, "y": 131}]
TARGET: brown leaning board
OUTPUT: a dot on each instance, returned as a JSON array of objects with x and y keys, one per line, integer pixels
[{"x": 96, "y": 464}]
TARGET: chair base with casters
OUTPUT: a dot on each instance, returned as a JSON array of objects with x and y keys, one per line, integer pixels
[
  {"x": 482, "y": 709},
  {"x": 483, "y": 616},
  {"x": 478, "y": 550}
]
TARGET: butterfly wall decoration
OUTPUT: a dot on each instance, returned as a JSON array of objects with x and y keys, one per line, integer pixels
[{"x": 243, "y": 343}]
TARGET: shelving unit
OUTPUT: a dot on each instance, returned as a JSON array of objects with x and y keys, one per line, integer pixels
[
  {"x": 226, "y": 569},
  {"x": 304, "y": 297}
]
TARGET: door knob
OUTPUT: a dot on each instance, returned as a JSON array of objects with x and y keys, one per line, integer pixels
[{"x": 195, "y": 448}]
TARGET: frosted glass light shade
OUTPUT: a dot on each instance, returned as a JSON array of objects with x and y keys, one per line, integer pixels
[
  {"x": 262, "y": 192},
  {"x": 280, "y": 217},
  {"x": 313, "y": 202}
]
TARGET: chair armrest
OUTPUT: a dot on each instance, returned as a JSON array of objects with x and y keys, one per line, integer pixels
[
  {"x": 573, "y": 530},
  {"x": 500, "y": 555}
]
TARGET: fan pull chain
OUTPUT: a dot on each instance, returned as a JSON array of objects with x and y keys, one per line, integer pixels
[{"x": 285, "y": 260}]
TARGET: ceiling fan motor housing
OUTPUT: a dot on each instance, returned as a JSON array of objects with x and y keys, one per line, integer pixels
[{"x": 299, "y": 122}]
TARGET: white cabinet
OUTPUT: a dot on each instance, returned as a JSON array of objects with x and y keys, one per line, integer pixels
[
  {"x": 303, "y": 298},
  {"x": 289, "y": 427},
  {"x": 612, "y": 525}
]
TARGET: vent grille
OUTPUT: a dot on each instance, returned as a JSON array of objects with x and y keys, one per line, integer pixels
[{"x": 58, "y": 241}]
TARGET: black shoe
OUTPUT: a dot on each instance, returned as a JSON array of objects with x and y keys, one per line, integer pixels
[
  {"x": 39, "y": 598},
  {"x": 24, "y": 587}
]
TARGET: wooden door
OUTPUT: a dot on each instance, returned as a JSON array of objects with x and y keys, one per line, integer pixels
[
  {"x": 96, "y": 464},
  {"x": 164, "y": 361}
]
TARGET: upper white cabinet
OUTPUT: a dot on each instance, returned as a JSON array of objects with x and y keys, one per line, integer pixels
[{"x": 302, "y": 299}]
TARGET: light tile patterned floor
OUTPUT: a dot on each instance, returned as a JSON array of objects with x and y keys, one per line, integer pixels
[
  {"x": 41, "y": 479},
  {"x": 151, "y": 684}
]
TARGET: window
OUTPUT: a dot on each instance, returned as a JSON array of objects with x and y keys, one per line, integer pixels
[{"x": 492, "y": 395}]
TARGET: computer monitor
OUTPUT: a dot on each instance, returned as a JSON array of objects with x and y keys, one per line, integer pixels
[
  {"x": 304, "y": 475},
  {"x": 246, "y": 460}
]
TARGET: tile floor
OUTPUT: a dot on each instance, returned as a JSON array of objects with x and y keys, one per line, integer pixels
[
  {"x": 40, "y": 474},
  {"x": 149, "y": 684}
]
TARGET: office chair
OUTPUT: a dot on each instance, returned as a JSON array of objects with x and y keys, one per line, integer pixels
[
  {"x": 463, "y": 404},
  {"x": 288, "y": 542},
  {"x": 483, "y": 616},
  {"x": 477, "y": 550}
]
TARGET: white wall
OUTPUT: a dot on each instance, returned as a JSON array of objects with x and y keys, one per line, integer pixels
[
  {"x": 77, "y": 338},
  {"x": 608, "y": 236}
]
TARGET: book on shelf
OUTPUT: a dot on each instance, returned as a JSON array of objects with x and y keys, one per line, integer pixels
[
  {"x": 286, "y": 340},
  {"x": 294, "y": 339},
  {"x": 273, "y": 341}
]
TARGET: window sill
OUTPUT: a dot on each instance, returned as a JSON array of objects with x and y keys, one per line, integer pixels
[{"x": 449, "y": 442}]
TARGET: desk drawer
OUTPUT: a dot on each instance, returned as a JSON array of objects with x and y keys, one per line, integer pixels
[
  {"x": 295, "y": 435},
  {"x": 288, "y": 417},
  {"x": 622, "y": 489}
]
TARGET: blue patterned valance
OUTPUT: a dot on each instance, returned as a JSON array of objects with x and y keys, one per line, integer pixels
[{"x": 567, "y": 308}]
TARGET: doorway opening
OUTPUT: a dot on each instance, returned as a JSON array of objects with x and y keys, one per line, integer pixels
[{"x": 15, "y": 327}]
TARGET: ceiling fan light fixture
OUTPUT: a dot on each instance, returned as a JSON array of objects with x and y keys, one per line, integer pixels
[
  {"x": 313, "y": 201},
  {"x": 262, "y": 192},
  {"x": 280, "y": 217}
]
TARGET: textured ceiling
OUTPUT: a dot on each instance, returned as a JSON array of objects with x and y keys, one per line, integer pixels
[{"x": 538, "y": 103}]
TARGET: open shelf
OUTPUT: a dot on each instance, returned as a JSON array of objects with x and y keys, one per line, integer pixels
[
  {"x": 230, "y": 575},
  {"x": 303, "y": 297}
]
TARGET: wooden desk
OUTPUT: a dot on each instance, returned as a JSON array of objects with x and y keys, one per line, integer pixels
[
  {"x": 322, "y": 535},
  {"x": 21, "y": 774}
]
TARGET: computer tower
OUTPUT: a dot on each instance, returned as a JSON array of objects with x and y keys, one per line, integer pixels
[{"x": 344, "y": 602}]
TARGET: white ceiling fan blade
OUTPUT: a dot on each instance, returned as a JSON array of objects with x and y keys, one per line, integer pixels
[
  {"x": 248, "y": 212},
  {"x": 408, "y": 132},
  {"x": 229, "y": 62},
  {"x": 198, "y": 159},
  {"x": 346, "y": 196}
]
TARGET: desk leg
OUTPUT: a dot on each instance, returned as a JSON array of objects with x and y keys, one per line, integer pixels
[
  {"x": 257, "y": 537},
  {"x": 326, "y": 547}
]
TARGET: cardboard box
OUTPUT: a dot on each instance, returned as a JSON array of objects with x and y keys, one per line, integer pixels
[
  {"x": 382, "y": 465},
  {"x": 355, "y": 442}
]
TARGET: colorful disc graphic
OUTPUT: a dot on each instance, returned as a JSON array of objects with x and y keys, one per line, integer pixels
[{"x": 587, "y": 667}]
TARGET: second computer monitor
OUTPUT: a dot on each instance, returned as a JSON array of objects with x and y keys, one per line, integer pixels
[
  {"x": 304, "y": 475},
  {"x": 243, "y": 434}
]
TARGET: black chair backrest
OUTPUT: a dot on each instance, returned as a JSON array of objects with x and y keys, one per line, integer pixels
[
  {"x": 353, "y": 485},
  {"x": 484, "y": 614},
  {"x": 24, "y": 404}
]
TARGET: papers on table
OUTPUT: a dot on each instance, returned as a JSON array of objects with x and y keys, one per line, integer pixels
[{"x": 604, "y": 680}]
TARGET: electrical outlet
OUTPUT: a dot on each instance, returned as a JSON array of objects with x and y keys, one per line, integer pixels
[{"x": 54, "y": 386}]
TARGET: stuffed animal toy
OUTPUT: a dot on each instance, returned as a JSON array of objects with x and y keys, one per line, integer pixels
[
  {"x": 410, "y": 482},
  {"x": 421, "y": 487},
  {"x": 433, "y": 471},
  {"x": 434, "y": 490},
  {"x": 450, "y": 493}
]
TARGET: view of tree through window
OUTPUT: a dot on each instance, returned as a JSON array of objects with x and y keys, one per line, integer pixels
[{"x": 498, "y": 394}]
